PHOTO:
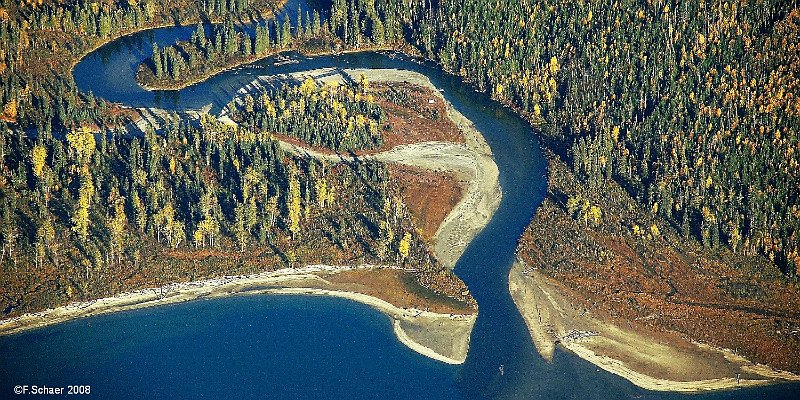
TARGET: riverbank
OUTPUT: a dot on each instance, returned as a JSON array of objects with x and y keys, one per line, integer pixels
[
  {"x": 647, "y": 306},
  {"x": 438, "y": 335},
  {"x": 146, "y": 81},
  {"x": 150, "y": 85},
  {"x": 664, "y": 363},
  {"x": 473, "y": 163}
]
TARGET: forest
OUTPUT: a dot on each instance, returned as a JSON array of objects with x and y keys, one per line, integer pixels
[
  {"x": 95, "y": 203},
  {"x": 692, "y": 106},
  {"x": 333, "y": 116},
  {"x": 40, "y": 41},
  {"x": 186, "y": 62},
  {"x": 87, "y": 212},
  {"x": 352, "y": 25}
]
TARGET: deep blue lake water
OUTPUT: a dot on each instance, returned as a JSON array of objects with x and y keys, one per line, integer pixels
[
  {"x": 247, "y": 347},
  {"x": 310, "y": 347}
]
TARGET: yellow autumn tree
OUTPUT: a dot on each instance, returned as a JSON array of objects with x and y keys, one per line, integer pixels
[
  {"x": 10, "y": 111},
  {"x": 655, "y": 231},
  {"x": 38, "y": 156},
  {"x": 387, "y": 236},
  {"x": 363, "y": 83},
  {"x": 207, "y": 229},
  {"x": 498, "y": 89},
  {"x": 554, "y": 65},
  {"x": 321, "y": 190},
  {"x": 116, "y": 226},
  {"x": 574, "y": 204},
  {"x": 80, "y": 216},
  {"x": 82, "y": 144},
  {"x": 404, "y": 247},
  {"x": 175, "y": 233},
  {"x": 163, "y": 218},
  {"x": 308, "y": 86},
  {"x": 294, "y": 203},
  {"x": 595, "y": 213},
  {"x": 615, "y": 134}
]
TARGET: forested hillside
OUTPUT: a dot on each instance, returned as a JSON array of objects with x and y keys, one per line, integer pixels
[{"x": 692, "y": 106}]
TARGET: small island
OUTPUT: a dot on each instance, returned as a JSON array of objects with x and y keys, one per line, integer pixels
[
  {"x": 187, "y": 62},
  {"x": 214, "y": 49}
]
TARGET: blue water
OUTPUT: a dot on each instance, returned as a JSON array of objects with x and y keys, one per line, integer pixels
[
  {"x": 248, "y": 347},
  {"x": 304, "y": 347}
]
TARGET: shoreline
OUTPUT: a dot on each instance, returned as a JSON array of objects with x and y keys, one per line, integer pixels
[
  {"x": 202, "y": 78},
  {"x": 650, "y": 363},
  {"x": 253, "y": 59},
  {"x": 307, "y": 281},
  {"x": 448, "y": 252}
]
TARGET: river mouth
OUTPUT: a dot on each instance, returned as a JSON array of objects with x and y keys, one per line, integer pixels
[
  {"x": 109, "y": 73},
  {"x": 487, "y": 259},
  {"x": 362, "y": 363}
]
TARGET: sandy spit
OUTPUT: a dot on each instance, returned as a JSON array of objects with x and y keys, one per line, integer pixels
[
  {"x": 455, "y": 352},
  {"x": 445, "y": 337},
  {"x": 669, "y": 363}
]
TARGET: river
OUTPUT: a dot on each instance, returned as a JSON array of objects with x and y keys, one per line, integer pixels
[{"x": 311, "y": 347}]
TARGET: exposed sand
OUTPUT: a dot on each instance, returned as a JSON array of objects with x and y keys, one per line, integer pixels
[
  {"x": 444, "y": 337},
  {"x": 481, "y": 197},
  {"x": 664, "y": 363},
  {"x": 472, "y": 162}
]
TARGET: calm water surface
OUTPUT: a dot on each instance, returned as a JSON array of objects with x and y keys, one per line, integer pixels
[{"x": 311, "y": 347}]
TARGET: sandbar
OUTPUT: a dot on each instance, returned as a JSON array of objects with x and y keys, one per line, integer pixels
[{"x": 663, "y": 363}]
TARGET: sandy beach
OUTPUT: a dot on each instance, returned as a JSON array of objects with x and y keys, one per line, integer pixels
[
  {"x": 664, "y": 362},
  {"x": 444, "y": 337}
]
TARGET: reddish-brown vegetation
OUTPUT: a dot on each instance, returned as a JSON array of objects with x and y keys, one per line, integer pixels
[
  {"x": 658, "y": 281},
  {"x": 421, "y": 118},
  {"x": 402, "y": 290},
  {"x": 429, "y": 196}
]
